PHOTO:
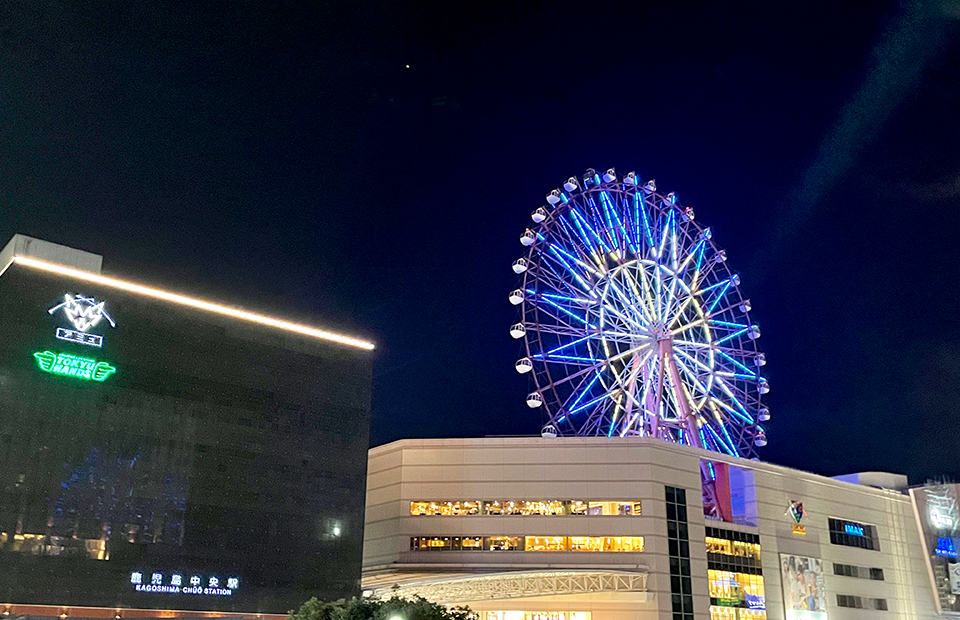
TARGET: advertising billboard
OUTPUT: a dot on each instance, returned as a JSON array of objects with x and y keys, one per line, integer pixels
[
  {"x": 954, "y": 578},
  {"x": 804, "y": 597}
]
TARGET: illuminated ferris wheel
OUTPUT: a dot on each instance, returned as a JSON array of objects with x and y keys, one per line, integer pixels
[{"x": 633, "y": 323}]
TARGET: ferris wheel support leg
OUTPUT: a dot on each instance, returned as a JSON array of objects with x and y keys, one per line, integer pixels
[{"x": 690, "y": 420}]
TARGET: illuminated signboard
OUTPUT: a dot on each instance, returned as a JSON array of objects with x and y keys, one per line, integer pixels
[
  {"x": 853, "y": 530},
  {"x": 804, "y": 595},
  {"x": 155, "y": 582},
  {"x": 947, "y": 547},
  {"x": 942, "y": 510},
  {"x": 796, "y": 512},
  {"x": 70, "y": 365},
  {"x": 83, "y": 313}
]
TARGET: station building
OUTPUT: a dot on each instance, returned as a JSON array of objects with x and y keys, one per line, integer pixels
[
  {"x": 167, "y": 456},
  {"x": 531, "y": 528}
]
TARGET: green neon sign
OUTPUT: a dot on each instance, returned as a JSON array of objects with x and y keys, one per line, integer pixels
[{"x": 73, "y": 366}]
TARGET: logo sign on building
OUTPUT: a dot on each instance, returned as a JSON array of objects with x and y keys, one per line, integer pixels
[
  {"x": 192, "y": 584},
  {"x": 947, "y": 547},
  {"x": 69, "y": 365},
  {"x": 804, "y": 597},
  {"x": 83, "y": 313},
  {"x": 942, "y": 510},
  {"x": 796, "y": 512}
]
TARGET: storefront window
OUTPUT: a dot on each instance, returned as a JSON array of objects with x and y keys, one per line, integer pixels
[
  {"x": 502, "y": 543},
  {"x": 614, "y": 544},
  {"x": 551, "y": 507},
  {"x": 731, "y": 589},
  {"x": 545, "y": 543},
  {"x": 536, "y": 615}
]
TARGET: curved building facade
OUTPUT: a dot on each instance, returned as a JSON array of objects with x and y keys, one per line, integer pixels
[{"x": 640, "y": 529}]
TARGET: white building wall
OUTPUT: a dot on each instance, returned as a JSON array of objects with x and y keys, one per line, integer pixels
[{"x": 629, "y": 469}]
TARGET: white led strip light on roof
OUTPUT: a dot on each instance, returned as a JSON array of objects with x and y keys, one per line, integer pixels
[{"x": 183, "y": 300}]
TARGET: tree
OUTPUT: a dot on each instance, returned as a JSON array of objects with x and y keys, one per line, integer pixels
[{"x": 393, "y": 608}]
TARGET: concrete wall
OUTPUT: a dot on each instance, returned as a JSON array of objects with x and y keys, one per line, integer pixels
[{"x": 631, "y": 469}]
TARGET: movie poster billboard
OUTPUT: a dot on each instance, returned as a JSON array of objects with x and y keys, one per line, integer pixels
[{"x": 804, "y": 597}]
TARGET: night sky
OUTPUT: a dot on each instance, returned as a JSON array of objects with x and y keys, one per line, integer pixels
[{"x": 370, "y": 168}]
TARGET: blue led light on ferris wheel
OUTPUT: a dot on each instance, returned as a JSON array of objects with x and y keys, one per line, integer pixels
[
  {"x": 716, "y": 301},
  {"x": 620, "y": 273}
]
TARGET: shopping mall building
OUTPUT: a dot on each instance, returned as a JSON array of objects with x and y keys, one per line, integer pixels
[
  {"x": 167, "y": 456},
  {"x": 532, "y": 528}
]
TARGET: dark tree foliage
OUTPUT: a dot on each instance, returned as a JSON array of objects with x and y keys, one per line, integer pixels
[{"x": 379, "y": 609}]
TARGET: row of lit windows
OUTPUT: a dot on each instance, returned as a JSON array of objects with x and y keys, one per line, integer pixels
[
  {"x": 733, "y": 547},
  {"x": 527, "y": 543},
  {"x": 523, "y": 507},
  {"x": 536, "y": 615},
  {"x": 719, "y": 612},
  {"x": 736, "y": 589},
  {"x": 41, "y": 544}
]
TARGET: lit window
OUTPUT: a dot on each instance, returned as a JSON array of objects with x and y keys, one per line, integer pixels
[
  {"x": 502, "y": 543},
  {"x": 731, "y": 589},
  {"x": 545, "y": 543},
  {"x": 549, "y": 507},
  {"x": 528, "y": 543},
  {"x": 535, "y": 615},
  {"x": 608, "y": 543}
]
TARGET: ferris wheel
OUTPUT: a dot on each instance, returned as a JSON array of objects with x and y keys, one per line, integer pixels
[{"x": 633, "y": 324}]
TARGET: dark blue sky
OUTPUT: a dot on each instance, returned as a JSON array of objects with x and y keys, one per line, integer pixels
[{"x": 283, "y": 156}]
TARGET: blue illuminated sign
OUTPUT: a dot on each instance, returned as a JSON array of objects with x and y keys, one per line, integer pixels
[
  {"x": 755, "y": 602},
  {"x": 853, "y": 530},
  {"x": 155, "y": 582},
  {"x": 946, "y": 548}
]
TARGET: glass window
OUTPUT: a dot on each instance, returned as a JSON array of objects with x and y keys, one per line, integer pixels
[
  {"x": 502, "y": 543},
  {"x": 853, "y": 534},
  {"x": 431, "y": 543},
  {"x": 548, "y": 507},
  {"x": 545, "y": 543},
  {"x": 493, "y": 508},
  {"x": 736, "y": 589},
  {"x": 606, "y": 543},
  {"x": 623, "y": 543}
]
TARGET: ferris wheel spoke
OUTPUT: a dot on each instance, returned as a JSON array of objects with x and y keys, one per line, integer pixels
[
  {"x": 582, "y": 239},
  {"x": 681, "y": 309},
  {"x": 604, "y": 223},
  {"x": 581, "y": 279},
  {"x": 558, "y": 251},
  {"x": 738, "y": 364},
  {"x": 645, "y": 300},
  {"x": 740, "y": 409},
  {"x": 727, "y": 447},
  {"x": 627, "y": 303},
  {"x": 579, "y": 218},
  {"x": 620, "y": 223},
  {"x": 719, "y": 296},
  {"x": 564, "y": 310}
]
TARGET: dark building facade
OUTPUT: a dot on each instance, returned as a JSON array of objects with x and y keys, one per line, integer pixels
[{"x": 157, "y": 453}]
